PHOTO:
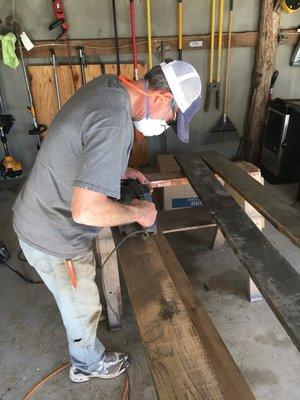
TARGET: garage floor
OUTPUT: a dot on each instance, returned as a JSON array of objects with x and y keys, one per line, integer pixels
[{"x": 32, "y": 338}]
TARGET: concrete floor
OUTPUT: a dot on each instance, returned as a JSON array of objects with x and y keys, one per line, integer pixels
[{"x": 32, "y": 338}]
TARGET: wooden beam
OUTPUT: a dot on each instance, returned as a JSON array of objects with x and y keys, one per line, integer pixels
[
  {"x": 186, "y": 219},
  {"x": 106, "y": 46},
  {"x": 276, "y": 279},
  {"x": 186, "y": 356},
  {"x": 265, "y": 60},
  {"x": 286, "y": 219}
]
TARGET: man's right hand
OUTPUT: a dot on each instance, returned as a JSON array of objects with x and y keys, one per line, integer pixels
[{"x": 147, "y": 212}]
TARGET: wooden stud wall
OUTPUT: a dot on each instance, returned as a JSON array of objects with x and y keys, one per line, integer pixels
[{"x": 44, "y": 96}]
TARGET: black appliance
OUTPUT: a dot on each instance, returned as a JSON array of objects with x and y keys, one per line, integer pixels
[{"x": 280, "y": 155}]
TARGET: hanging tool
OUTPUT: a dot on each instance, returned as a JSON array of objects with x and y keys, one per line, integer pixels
[
  {"x": 180, "y": 29},
  {"x": 213, "y": 86},
  {"x": 219, "y": 62},
  {"x": 10, "y": 168},
  {"x": 38, "y": 129},
  {"x": 56, "y": 85},
  {"x": 132, "y": 21},
  {"x": 225, "y": 124},
  {"x": 58, "y": 9},
  {"x": 60, "y": 18},
  {"x": 149, "y": 34},
  {"x": 116, "y": 37},
  {"x": 290, "y": 6},
  {"x": 131, "y": 189},
  {"x": 83, "y": 64}
]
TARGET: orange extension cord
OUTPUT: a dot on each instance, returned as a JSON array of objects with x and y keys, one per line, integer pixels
[{"x": 61, "y": 368}]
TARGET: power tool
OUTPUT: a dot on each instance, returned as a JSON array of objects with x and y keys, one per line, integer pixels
[
  {"x": 10, "y": 168},
  {"x": 58, "y": 9},
  {"x": 131, "y": 189}
]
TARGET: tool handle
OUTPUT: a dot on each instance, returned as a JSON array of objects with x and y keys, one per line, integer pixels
[
  {"x": 180, "y": 29},
  {"x": 116, "y": 36},
  {"x": 231, "y": 5},
  {"x": 133, "y": 35},
  {"x": 56, "y": 23},
  {"x": 149, "y": 35},
  {"x": 212, "y": 41}
]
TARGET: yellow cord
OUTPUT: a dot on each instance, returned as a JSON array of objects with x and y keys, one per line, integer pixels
[{"x": 149, "y": 33}]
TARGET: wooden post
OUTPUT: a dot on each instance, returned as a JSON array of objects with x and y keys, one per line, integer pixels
[
  {"x": 104, "y": 243},
  {"x": 266, "y": 51}
]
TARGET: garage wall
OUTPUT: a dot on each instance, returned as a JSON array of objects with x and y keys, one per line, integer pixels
[{"x": 92, "y": 19}]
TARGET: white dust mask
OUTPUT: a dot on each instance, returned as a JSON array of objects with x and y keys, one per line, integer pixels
[{"x": 151, "y": 127}]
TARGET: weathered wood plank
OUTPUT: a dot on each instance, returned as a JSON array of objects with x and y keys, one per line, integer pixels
[
  {"x": 180, "y": 364},
  {"x": 184, "y": 219},
  {"x": 276, "y": 279},
  {"x": 225, "y": 368},
  {"x": 106, "y": 46},
  {"x": 286, "y": 219}
]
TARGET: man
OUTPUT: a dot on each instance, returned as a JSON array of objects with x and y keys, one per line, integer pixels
[{"x": 73, "y": 187}]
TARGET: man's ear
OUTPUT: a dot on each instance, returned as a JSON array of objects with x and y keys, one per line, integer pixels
[{"x": 163, "y": 97}]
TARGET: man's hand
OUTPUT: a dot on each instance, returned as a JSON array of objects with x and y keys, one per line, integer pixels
[
  {"x": 132, "y": 173},
  {"x": 147, "y": 212}
]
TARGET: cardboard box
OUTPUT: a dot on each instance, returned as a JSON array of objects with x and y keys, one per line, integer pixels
[{"x": 174, "y": 197}]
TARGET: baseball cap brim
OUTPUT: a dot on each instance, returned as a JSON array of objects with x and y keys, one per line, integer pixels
[{"x": 184, "y": 118}]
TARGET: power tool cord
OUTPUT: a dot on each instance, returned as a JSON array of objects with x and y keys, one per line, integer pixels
[{"x": 126, "y": 393}]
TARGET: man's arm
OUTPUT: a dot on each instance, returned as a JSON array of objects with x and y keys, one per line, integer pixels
[{"x": 96, "y": 209}]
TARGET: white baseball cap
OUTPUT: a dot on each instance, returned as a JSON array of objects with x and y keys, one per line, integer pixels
[{"x": 185, "y": 84}]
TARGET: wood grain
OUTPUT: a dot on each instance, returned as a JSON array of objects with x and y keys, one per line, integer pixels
[
  {"x": 286, "y": 219},
  {"x": 181, "y": 366},
  {"x": 44, "y": 97},
  {"x": 276, "y": 279},
  {"x": 184, "y": 219},
  {"x": 106, "y": 46}
]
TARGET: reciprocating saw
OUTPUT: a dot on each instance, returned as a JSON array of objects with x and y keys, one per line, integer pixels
[{"x": 131, "y": 189}]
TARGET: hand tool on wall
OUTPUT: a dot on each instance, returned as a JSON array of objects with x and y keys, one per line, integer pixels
[
  {"x": 60, "y": 21},
  {"x": 10, "y": 168},
  {"x": 213, "y": 85},
  {"x": 180, "y": 29},
  {"x": 116, "y": 36},
  {"x": 225, "y": 124},
  {"x": 83, "y": 64},
  {"x": 60, "y": 18},
  {"x": 38, "y": 129},
  {"x": 130, "y": 190},
  {"x": 56, "y": 85},
  {"x": 132, "y": 21},
  {"x": 210, "y": 85},
  {"x": 149, "y": 34}
]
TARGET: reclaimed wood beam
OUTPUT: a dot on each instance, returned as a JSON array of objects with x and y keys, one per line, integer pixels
[
  {"x": 276, "y": 279},
  {"x": 186, "y": 356},
  {"x": 106, "y": 46},
  {"x": 285, "y": 218}
]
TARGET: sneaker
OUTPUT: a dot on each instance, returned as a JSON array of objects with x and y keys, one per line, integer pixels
[{"x": 110, "y": 366}]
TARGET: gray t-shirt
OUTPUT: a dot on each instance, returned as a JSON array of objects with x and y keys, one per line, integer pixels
[{"x": 88, "y": 145}]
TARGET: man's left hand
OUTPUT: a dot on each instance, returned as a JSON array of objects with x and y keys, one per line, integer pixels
[{"x": 132, "y": 173}]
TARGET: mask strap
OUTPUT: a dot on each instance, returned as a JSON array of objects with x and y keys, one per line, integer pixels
[
  {"x": 145, "y": 84},
  {"x": 128, "y": 83}
]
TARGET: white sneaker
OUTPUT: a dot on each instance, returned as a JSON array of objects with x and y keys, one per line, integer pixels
[{"x": 110, "y": 366}]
